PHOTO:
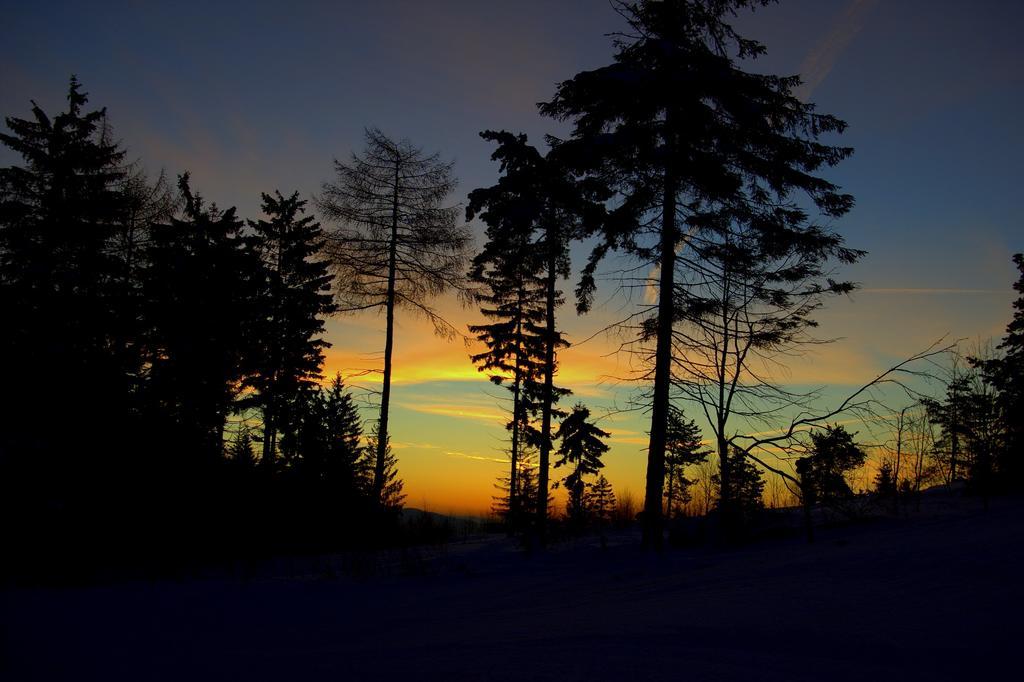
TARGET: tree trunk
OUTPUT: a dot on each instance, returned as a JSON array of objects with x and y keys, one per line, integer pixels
[
  {"x": 652, "y": 518},
  {"x": 513, "y": 479},
  {"x": 389, "y": 345},
  {"x": 548, "y": 397}
]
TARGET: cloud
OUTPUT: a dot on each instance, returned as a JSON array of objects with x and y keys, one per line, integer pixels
[
  {"x": 929, "y": 290},
  {"x": 458, "y": 411},
  {"x": 819, "y": 62},
  {"x": 476, "y": 458}
]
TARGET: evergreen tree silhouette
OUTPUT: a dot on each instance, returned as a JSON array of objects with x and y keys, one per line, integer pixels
[
  {"x": 691, "y": 144},
  {"x": 834, "y": 453},
  {"x": 539, "y": 208},
  {"x": 1006, "y": 375},
  {"x": 581, "y": 448},
  {"x": 599, "y": 501},
  {"x": 59, "y": 281},
  {"x": 748, "y": 488},
  {"x": 200, "y": 307},
  {"x": 683, "y": 447},
  {"x": 293, "y": 300}
]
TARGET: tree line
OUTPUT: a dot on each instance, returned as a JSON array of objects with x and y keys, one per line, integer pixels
[{"x": 164, "y": 358}]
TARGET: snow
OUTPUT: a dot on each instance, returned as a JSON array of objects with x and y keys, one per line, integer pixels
[{"x": 936, "y": 596}]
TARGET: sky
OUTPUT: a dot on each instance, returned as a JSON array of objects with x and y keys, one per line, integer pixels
[{"x": 251, "y": 97}]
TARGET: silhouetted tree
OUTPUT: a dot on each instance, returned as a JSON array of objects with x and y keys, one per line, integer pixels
[
  {"x": 748, "y": 488},
  {"x": 834, "y": 454},
  {"x": 515, "y": 510},
  {"x": 700, "y": 152},
  {"x": 200, "y": 291},
  {"x": 241, "y": 450},
  {"x": 581, "y": 448},
  {"x": 538, "y": 201},
  {"x": 599, "y": 501},
  {"x": 389, "y": 496},
  {"x": 395, "y": 243},
  {"x": 510, "y": 293},
  {"x": 885, "y": 480},
  {"x": 683, "y": 447},
  {"x": 1006, "y": 375},
  {"x": 950, "y": 415},
  {"x": 293, "y": 299},
  {"x": 59, "y": 280}
]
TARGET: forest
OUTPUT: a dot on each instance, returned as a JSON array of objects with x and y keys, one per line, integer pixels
[{"x": 165, "y": 402}]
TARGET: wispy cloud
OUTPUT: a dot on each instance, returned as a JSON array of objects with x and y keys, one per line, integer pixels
[
  {"x": 930, "y": 291},
  {"x": 819, "y": 62},
  {"x": 475, "y": 458},
  {"x": 457, "y": 411}
]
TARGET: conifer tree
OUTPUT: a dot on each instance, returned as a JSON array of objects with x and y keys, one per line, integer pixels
[
  {"x": 390, "y": 496},
  {"x": 600, "y": 501},
  {"x": 581, "y": 448},
  {"x": 200, "y": 287},
  {"x": 293, "y": 300},
  {"x": 693, "y": 145},
  {"x": 58, "y": 213},
  {"x": 536, "y": 205},
  {"x": 683, "y": 447},
  {"x": 1006, "y": 375},
  {"x": 241, "y": 451},
  {"x": 834, "y": 453},
  {"x": 344, "y": 433},
  {"x": 395, "y": 244},
  {"x": 748, "y": 488}
]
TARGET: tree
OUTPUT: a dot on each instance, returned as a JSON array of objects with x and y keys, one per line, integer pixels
[
  {"x": 1006, "y": 375},
  {"x": 885, "y": 480},
  {"x": 59, "y": 278},
  {"x": 599, "y": 501},
  {"x": 531, "y": 214},
  {"x": 395, "y": 243},
  {"x": 514, "y": 507},
  {"x": 703, "y": 154},
  {"x": 200, "y": 290},
  {"x": 834, "y": 454},
  {"x": 390, "y": 496},
  {"x": 241, "y": 450},
  {"x": 748, "y": 488},
  {"x": 683, "y": 447},
  {"x": 294, "y": 296},
  {"x": 581, "y": 448}
]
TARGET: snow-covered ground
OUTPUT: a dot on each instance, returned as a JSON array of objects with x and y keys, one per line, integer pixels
[{"x": 935, "y": 597}]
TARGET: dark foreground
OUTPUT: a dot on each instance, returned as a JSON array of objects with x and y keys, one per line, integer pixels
[{"x": 932, "y": 598}]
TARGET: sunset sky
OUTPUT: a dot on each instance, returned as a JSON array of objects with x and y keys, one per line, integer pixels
[{"x": 251, "y": 97}]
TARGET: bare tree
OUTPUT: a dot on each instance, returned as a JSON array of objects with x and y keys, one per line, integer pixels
[{"x": 395, "y": 243}]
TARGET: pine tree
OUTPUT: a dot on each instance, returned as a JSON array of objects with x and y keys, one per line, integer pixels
[
  {"x": 539, "y": 207},
  {"x": 885, "y": 481},
  {"x": 748, "y": 489},
  {"x": 599, "y": 501},
  {"x": 692, "y": 145},
  {"x": 293, "y": 299},
  {"x": 395, "y": 245},
  {"x": 58, "y": 276},
  {"x": 344, "y": 433},
  {"x": 581, "y": 448},
  {"x": 834, "y": 453},
  {"x": 515, "y": 509},
  {"x": 241, "y": 451},
  {"x": 683, "y": 447},
  {"x": 1006, "y": 375},
  {"x": 199, "y": 289},
  {"x": 390, "y": 496}
]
